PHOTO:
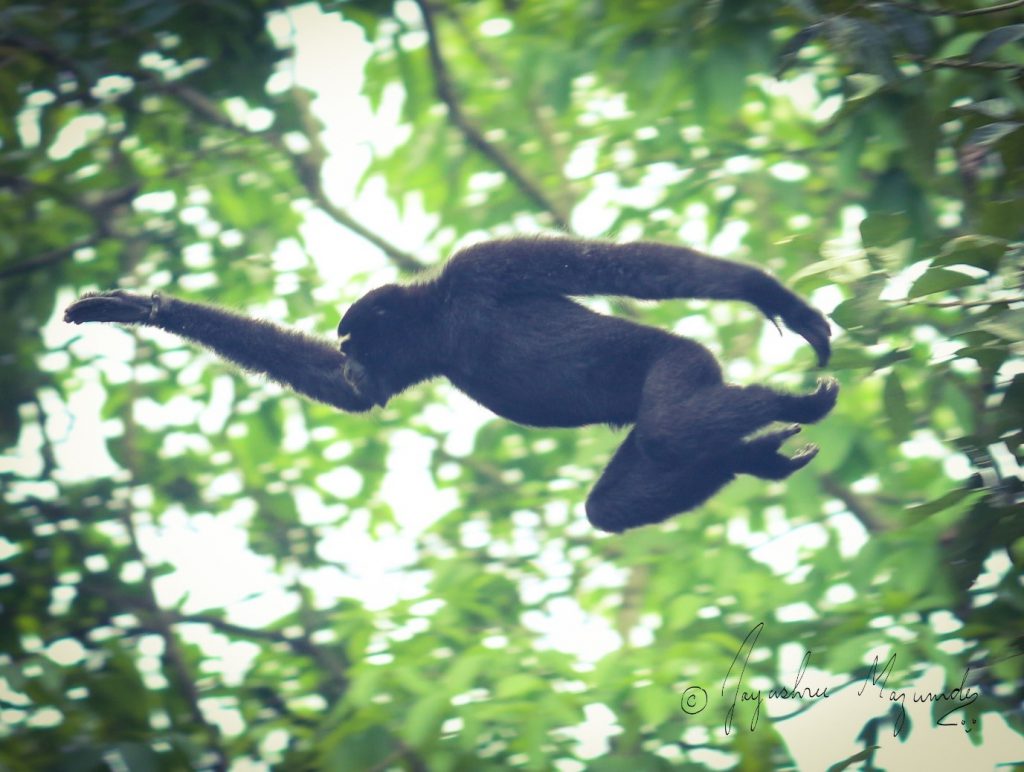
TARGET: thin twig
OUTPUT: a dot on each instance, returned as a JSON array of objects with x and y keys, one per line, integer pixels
[
  {"x": 961, "y": 14},
  {"x": 955, "y": 63},
  {"x": 972, "y": 304},
  {"x": 990, "y": 9}
]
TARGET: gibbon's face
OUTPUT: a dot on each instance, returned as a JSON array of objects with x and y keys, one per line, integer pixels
[
  {"x": 369, "y": 335},
  {"x": 370, "y": 322}
]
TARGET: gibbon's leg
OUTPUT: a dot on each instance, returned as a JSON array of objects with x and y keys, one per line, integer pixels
[
  {"x": 633, "y": 490},
  {"x": 683, "y": 418}
]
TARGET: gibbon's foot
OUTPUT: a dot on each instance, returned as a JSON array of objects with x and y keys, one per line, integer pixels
[
  {"x": 773, "y": 440},
  {"x": 826, "y": 395},
  {"x": 113, "y": 306},
  {"x": 761, "y": 457},
  {"x": 810, "y": 408},
  {"x": 803, "y": 456}
]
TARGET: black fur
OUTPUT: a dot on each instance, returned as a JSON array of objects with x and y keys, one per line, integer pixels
[{"x": 500, "y": 324}]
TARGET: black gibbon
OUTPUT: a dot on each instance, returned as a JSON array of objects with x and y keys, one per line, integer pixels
[{"x": 500, "y": 323}]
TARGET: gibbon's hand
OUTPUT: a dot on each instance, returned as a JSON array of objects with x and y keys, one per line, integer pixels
[
  {"x": 810, "y": 324},
  {"x": 113, "y": 306}
]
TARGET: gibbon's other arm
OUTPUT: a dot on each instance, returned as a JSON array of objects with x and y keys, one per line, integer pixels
[
  {"x": 643, "y": 269},
  {"x": 304, "y": 363}
]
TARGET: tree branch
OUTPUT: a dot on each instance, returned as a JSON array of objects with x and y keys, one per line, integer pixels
[
  {"x": 960, "y": 14},
  {"x": 956, "y": 63},
  {"x": 101, "y": 206},
  {"x": 300, "y": 645},
  {"x": 473, "y": 135},
  {"x": 538, "y": 112},
  {"x": 860, "y": 507},
  {"x": 967, "y": 304},
  {"x": 174, "y": 657},
  {"x": 401, "y": 751},
  {"x": 46, "y": 259},
  {"x": 307, "y": 167}
]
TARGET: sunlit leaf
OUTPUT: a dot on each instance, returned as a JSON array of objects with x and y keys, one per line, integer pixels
[
  {"x": 939, "y": 280},
  {"x": 978, "y": 250}
]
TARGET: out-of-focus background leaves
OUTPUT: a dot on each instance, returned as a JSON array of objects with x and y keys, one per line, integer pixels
[{"x": 869, "y": 154}]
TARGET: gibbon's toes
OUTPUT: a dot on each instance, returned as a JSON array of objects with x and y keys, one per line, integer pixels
[
  {"x": 803, "y": 455},
  {"x": 828, "y": 385},
  {"x": 760, "y": 456},
  {"x": 786, "y": 432},
  {"x": 770, "y": 442},
  {"x": 818, "y": 403},
  {"x": 829, "y": 388}
]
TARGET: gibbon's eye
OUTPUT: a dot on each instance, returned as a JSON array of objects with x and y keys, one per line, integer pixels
[{"x": 380, "y": 311}]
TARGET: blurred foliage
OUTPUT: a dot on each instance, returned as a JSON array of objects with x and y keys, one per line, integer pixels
[{"x": 870, "y": 152}]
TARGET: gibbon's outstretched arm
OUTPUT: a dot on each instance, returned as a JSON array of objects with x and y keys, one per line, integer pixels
[
  {"x": 304, "y": 363},
  {"x": 646, "y": 270}
]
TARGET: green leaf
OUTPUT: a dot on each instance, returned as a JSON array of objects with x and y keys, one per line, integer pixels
[
  {"x": 868, "y": 44},
  {"x": 1008, "y": 325},
  {"x": 896, "y": 406},
  {"x": 835, "y": 437},
  {"x": 856, "y": 313},
  {"x": 991, "y": 133},
  {"x": 882, "y": 229},
  {"x": 682, "y": 611},
  {"x": 790, "y": 52},
  {"x": 363, "y": 750},
  {"x": 993, "y": 40},
  {"x": 653, "y": 704},
  {"x": 956, "y": 397},
  {"x": 915, "y": 28},
  {"x": 519, "y": 685},
  {"x": 1017, "y": 549},
  {"x": 1002, "y": 217},
  {"x": 978, "y": 250},
  {"x": 848, "y": 157},
  {"x": 998, "y": 107},
  {"x": 920, "y": 512},
  {"x": 423, "y": 721},
  {"x": 939, "y": 280},
  {"x": 137, "y": 757}
]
